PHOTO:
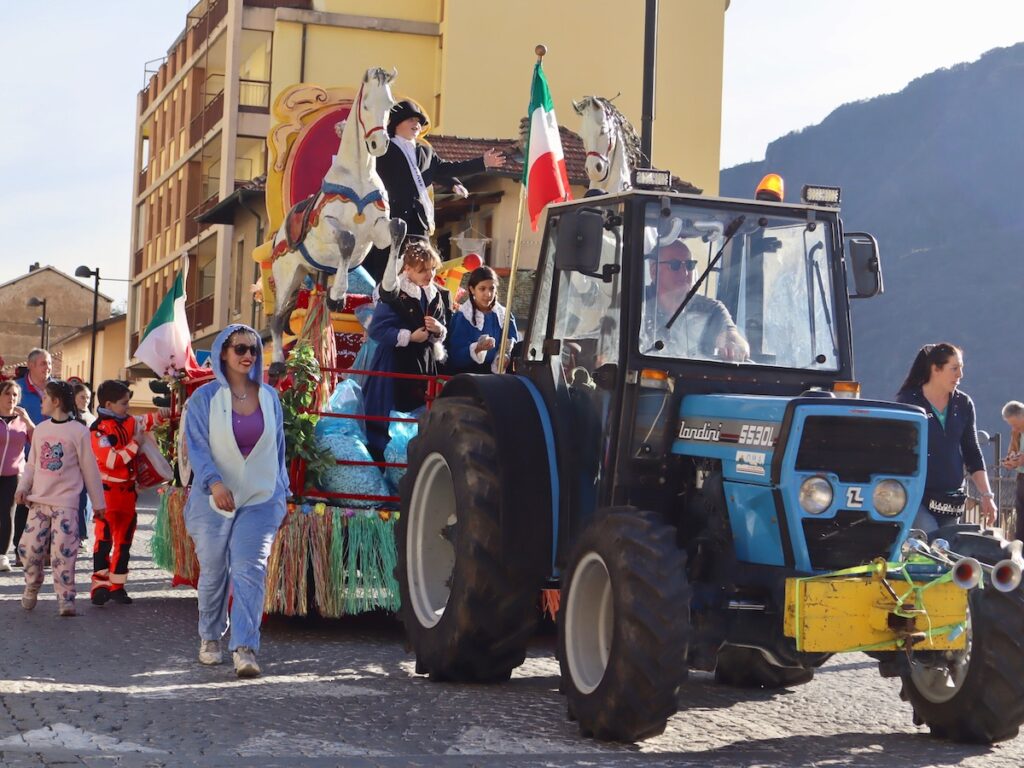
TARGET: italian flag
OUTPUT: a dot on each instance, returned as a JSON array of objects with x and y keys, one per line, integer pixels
[
  {"x": 166, "y": 346},
  {"x": 544, "y": 173}
]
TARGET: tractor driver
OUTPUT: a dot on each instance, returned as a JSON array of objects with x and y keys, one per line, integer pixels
[{"x": 704, "y": 329}]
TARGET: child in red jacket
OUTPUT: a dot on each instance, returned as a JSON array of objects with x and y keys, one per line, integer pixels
[{"x": 115, "y": 441}]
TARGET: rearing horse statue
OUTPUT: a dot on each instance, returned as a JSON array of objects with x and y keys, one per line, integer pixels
[
  {"x": 611, "y": 143},
  {"x": 333, "y": 230}
]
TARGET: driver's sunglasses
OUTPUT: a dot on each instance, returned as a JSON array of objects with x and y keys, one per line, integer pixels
[
  {"x": 676, "y": 264},
  {"x": 241, "y": 349}
]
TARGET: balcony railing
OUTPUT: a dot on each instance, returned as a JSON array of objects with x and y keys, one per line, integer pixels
[
  {"x": 206, "y": 23},
  {"x": 205, "y": 120},
  {"x": 200, "y": 313},
  {"x": 193, "y": 227},
  {"x": 254, "y": 96}
]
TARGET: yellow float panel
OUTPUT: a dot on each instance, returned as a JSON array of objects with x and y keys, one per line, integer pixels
[{"x": 835, "y": 615}]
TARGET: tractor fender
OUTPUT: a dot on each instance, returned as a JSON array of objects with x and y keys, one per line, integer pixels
[{"x": 528, "y": 469}]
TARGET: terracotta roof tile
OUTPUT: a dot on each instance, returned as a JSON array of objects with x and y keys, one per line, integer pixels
[{"x": 456, "y": 148}]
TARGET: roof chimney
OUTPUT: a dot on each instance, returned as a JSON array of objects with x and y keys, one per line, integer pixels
[{"x": 33, "y": 267}]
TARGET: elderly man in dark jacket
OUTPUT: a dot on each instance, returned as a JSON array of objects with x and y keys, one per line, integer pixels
[{"x": 408, "y": 169}]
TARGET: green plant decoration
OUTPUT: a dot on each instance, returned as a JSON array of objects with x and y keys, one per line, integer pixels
[{"x": 299, "y": 422}]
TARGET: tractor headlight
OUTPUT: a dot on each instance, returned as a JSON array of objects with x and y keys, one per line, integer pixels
[
  {"x": 815, "y": 495},
  {"x": 890, "y": 497}
]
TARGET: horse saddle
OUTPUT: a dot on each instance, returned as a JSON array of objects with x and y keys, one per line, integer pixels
[{"x": 297, "y": 221}]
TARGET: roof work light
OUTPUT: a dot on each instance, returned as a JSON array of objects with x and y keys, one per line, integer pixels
[
  {"x": 815, "y": 194},
  {"x": 652, "y": 178}
]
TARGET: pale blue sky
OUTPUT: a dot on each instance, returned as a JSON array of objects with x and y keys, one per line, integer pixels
[
  {"x": 70, "y": 72},
  {"x": 789, "y": 63}
]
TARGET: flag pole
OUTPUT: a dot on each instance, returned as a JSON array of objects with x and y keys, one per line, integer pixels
[{"x": 540, "y": 50}]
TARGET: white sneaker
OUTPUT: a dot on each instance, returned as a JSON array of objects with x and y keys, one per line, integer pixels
[
  {"x": 5, "y": 564},
  {"x": 245, "y": 662},
  {"x": 209, "y": 652}
]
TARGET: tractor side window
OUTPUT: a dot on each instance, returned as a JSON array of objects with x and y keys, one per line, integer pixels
[{"x": 587, "y": 322}]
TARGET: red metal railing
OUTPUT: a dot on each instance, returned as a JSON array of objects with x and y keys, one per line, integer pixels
[{"x": 298, "y": 467}]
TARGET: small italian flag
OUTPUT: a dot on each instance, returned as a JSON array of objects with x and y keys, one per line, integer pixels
[
  {"x": 544, "y": 173},
  {"x": 166, "y": 345}
]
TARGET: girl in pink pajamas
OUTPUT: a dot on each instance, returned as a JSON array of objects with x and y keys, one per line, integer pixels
[{"x": 59, "y": 462}]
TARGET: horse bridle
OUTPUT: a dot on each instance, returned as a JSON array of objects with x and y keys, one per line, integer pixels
[
  {"x": 608, "y": 152},
  {"x": 359, "y": 117}
]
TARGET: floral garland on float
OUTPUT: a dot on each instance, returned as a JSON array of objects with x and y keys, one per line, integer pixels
[{"x": 345, "y": 552}]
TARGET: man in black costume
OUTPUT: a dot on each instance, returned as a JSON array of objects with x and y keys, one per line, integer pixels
[{"x": 408, "y": 169}]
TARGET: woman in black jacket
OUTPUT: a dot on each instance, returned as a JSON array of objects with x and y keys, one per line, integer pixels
[{"x": 932, "y": 384}]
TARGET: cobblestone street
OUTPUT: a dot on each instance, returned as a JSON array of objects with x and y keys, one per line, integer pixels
[{"x": 120, "y": 686}]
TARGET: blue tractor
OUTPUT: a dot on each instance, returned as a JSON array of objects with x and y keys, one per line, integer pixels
[{"x": 680, "y": 447}]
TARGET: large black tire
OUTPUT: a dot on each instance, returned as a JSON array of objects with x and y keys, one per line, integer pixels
[
  {"x": 468, "y": 615},
  {"x": 750, "y": 668},
  {"x": 979, "y": 697},
  {"x": 624, "y": 626}
]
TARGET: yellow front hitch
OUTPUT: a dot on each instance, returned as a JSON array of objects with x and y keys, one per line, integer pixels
[{"x": 877, "y": 607}]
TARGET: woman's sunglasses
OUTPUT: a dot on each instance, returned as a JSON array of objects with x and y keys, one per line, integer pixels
[
  {"x": 675, "y": 264},
  {"x": 241, "y": 349}
]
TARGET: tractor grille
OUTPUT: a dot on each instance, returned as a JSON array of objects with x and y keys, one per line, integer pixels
[
  {"x": 856, "y": 448},
  {"x": 847, "y": 540}
]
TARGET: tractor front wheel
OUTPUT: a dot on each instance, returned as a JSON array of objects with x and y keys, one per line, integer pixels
[
  {"x": 624, "y": 626},
  {"x": 975, "y": 695}
]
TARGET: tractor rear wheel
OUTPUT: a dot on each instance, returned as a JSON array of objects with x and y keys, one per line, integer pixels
[
  {"x": 750, "y": 668},
  {"x": 624, "y": 626},
  {"x": 468, "y": 614}
]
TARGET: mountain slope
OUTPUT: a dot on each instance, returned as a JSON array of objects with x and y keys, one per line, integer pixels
[{"x": 936, "y": 172}]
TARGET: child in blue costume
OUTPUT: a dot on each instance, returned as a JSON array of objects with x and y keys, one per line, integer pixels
[
  {"x": 235, "y": 438},
  {"x": 476, "y": 327},
  {"x": 409, "y": 326}
]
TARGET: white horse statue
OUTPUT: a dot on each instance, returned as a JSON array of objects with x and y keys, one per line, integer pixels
[
  {"x": 611, "y": 143},
  {"x": 333, "y": 230}
]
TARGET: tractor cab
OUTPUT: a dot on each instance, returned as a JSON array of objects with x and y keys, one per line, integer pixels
[{"x": 645, "y": 298}]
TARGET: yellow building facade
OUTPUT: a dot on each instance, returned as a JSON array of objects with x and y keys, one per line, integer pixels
[
  {"x": 204, "y": 116},
  {"x": 469, "y": 63}
]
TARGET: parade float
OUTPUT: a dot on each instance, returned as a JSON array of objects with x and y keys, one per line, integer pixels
[{"x": 335, "y": 551}]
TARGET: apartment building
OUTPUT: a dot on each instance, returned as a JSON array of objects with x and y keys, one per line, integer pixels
[{"x": 204, "y": 115}]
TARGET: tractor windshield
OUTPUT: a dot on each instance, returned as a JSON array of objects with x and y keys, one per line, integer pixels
[{"x": 763, "y": 297}]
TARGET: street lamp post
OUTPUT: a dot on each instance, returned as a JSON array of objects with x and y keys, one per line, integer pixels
[
  {"x": 36, "y": 302},
  {"x": 44, "y": 336},
  {"x": 86, "y": 272}
]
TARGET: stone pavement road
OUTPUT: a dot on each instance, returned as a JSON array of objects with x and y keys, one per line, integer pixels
[{"x": 120, "y": 686}]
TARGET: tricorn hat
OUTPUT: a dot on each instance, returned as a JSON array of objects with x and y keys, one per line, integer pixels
[{"x": 401, "y": 112}]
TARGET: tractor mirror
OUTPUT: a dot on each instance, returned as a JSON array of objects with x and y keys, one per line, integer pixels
[
  {"x": 864, "y": 266},
  {"x": 579, "y": 240}
]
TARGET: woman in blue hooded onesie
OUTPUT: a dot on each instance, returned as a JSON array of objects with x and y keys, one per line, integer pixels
[{"x": 235, "y": 438}]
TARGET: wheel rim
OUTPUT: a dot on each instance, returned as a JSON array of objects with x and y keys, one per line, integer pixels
[
  {"x": 589, "y": 622},
  {"x": 939, "y": 683},
  {"x": 429, "y": 541}
]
